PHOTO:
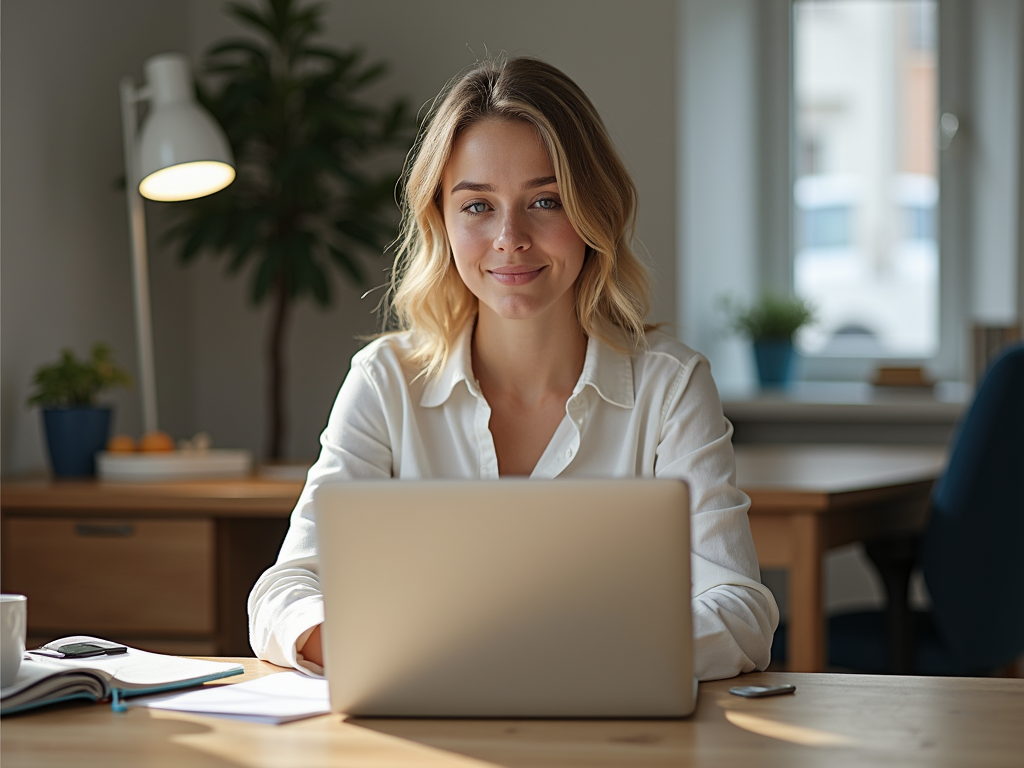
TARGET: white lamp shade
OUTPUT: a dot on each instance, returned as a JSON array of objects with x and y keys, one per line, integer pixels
[{"x": 183, "y": 153}]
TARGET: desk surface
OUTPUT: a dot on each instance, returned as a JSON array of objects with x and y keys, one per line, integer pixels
[
  {"x": 761, "y": 469},
  {"x": 248, "y": 497},
  {"x": 834, "y": 720},
  {"x": 776, "y": 476}
]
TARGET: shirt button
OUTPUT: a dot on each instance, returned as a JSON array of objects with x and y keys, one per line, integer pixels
[{"x": 568, "y": 453}]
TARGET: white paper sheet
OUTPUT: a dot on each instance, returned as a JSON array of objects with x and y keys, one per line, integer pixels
[{"x": 274, "y": 699}]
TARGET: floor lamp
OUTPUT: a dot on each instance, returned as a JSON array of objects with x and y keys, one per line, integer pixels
[{"x": 181, "y": 154}]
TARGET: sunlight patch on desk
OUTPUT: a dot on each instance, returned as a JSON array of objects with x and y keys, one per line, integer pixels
[
  {"x": 272, "y": 746},
  {"x": 796, "y": 734}
]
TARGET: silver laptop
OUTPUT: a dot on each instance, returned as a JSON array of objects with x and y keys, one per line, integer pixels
[{"x": 507, "y": 598}]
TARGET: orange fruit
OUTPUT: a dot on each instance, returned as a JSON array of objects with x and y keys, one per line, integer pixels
[
  {"x": 156, "y": 442},
  {"x": 122, "y": 444}
]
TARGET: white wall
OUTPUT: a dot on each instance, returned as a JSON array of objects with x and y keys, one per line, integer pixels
[
  {"x": 64, "y": 249},
  {"x": 65, "y": 277},
  {"x": 718, "y": 175}
]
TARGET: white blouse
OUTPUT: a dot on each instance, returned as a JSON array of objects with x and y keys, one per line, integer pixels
[{"x": 654, "y": 413}]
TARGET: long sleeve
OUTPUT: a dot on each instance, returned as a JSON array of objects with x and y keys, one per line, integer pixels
[
  {"x": 285, "y": 604},
  {"x": 734, "y": 615}
]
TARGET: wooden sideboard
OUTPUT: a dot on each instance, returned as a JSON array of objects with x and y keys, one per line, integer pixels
[{"x": 162, "y": 566}]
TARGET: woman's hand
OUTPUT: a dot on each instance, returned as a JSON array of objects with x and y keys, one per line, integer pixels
[{"x": 313, "y": 650}]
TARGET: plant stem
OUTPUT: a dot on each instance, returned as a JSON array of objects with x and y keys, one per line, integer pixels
[{"x": 279, "y": 322}]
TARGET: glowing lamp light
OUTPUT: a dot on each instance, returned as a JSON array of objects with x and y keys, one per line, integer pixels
[{"x": 187, "y": 181}]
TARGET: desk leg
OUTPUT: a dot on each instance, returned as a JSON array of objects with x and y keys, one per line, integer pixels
[{"x": 806, "y": 620}]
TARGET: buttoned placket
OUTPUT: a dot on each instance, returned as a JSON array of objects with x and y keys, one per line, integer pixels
[
  {"x": 560, "y": 452},
  {"x": 482, "y": 429},
  {"x": 575, "y": 409},
  {"x": 565, "y": 443}
]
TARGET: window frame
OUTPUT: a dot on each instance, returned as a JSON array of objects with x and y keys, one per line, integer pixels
[{"x": 778, "y": 215}]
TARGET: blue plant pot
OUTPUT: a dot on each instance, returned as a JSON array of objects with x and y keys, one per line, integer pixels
[
  {"x": 774, "y": 363},
  {"x": 73, "y": 436}
]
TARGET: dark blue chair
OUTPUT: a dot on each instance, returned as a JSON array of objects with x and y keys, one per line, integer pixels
[{"x": 971, "y": 555}]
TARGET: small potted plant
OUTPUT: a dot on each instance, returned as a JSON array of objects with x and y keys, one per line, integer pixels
[
  {"x": 76, "y": 426},
  {"x": 770, "y": 323}
]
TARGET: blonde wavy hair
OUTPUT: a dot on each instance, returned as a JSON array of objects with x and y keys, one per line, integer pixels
[{"x": 427, "y": 294}]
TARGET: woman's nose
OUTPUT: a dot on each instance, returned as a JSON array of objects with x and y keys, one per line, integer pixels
[{"x": 513, "y": 234}]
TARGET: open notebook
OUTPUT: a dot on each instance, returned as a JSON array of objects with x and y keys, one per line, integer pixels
[{"x": 44, "y": 680}]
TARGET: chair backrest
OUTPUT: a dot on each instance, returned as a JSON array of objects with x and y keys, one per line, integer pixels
[{"x": 973, "y": 553}]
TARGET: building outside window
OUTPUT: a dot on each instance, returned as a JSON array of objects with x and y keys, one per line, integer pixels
[{"x": 866, "y": 188}]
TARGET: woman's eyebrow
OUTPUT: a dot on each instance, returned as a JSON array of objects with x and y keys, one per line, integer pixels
[
  {"x": 475, "y": 186},
  {"x": 540, "y": 181}
]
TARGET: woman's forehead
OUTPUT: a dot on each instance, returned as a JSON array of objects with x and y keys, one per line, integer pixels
[{"x": 497, "y": 153}]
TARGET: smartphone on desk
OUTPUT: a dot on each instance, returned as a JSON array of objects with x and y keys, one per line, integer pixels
[{"x": 82, "y": 650}]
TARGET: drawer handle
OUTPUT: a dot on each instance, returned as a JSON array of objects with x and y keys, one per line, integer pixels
[{"x": 108, "y": 530}]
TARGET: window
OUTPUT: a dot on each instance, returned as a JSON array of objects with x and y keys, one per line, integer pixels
[{"x": 865, "y": 190}]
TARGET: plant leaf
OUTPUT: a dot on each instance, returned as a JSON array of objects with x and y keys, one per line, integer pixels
[{"x": 348, "y": 264}]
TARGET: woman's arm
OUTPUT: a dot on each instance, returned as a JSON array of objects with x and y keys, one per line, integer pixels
[
  {"x": 734, "y": 615},
  {"x": 285, "y": 605},
  {"x": 312, "y": 650}
]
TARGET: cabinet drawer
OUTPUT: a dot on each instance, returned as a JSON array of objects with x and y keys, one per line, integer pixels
[{"x": 112, "y": 576}]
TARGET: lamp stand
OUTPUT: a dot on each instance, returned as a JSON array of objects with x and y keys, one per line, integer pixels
[
  {"x": 168, "y": 87},
  {"x": 130, "y": 96}
]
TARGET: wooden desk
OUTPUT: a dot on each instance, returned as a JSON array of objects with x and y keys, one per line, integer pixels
[
  {"x": 805, "y": 499},
  {"x": 831, "y": 720},
  {"x": 164, "y": 566}
]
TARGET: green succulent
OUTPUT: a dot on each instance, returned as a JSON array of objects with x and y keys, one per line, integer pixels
[
  {"x": 773, "y": 317},
  {"x": 74, "y": 383}
]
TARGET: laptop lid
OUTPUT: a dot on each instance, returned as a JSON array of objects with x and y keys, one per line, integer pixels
[{"x": 507, "y": 598}]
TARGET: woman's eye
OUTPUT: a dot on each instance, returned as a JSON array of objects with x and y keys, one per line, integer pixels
[
  {"x": 475, "y": 208},
  {"x": 547, "y": 203}
]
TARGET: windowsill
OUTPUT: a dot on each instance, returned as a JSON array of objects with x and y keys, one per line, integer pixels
[
  {"x": 846, "y": 412},
  {"x": 835, "y": 400}
]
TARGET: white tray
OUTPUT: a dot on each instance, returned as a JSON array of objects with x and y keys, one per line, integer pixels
[{"x": 173, "y": 465}]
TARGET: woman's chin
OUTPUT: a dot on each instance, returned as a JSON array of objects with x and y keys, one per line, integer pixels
[{"x": 516, "y": 307}]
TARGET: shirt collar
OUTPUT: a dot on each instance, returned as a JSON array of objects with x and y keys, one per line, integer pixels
[
  {"x": 459, "y": 367},
  {"x": 607, "y": 370}
]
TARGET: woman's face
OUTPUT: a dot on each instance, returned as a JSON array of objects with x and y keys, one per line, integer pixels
[{"x": 512, "y": 241}]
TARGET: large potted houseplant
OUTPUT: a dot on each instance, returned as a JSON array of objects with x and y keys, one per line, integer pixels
[
  {"x": 76, "y": 425},
  {"x": 771, "y": 323},
  {"x": 309, "y": 196}
]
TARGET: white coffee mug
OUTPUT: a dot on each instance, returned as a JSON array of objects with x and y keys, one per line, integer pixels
[{"x": 13, "y": 623}]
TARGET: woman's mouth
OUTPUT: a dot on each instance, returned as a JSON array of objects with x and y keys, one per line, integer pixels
[{"x": 520, "y": 275}]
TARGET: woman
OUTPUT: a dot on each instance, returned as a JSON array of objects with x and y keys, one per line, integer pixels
[{"x": 524, "y": 352}]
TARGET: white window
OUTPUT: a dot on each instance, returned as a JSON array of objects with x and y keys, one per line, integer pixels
[
  {"x": 865, "y": 176},
  {"x": 764, "y": 179}
]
